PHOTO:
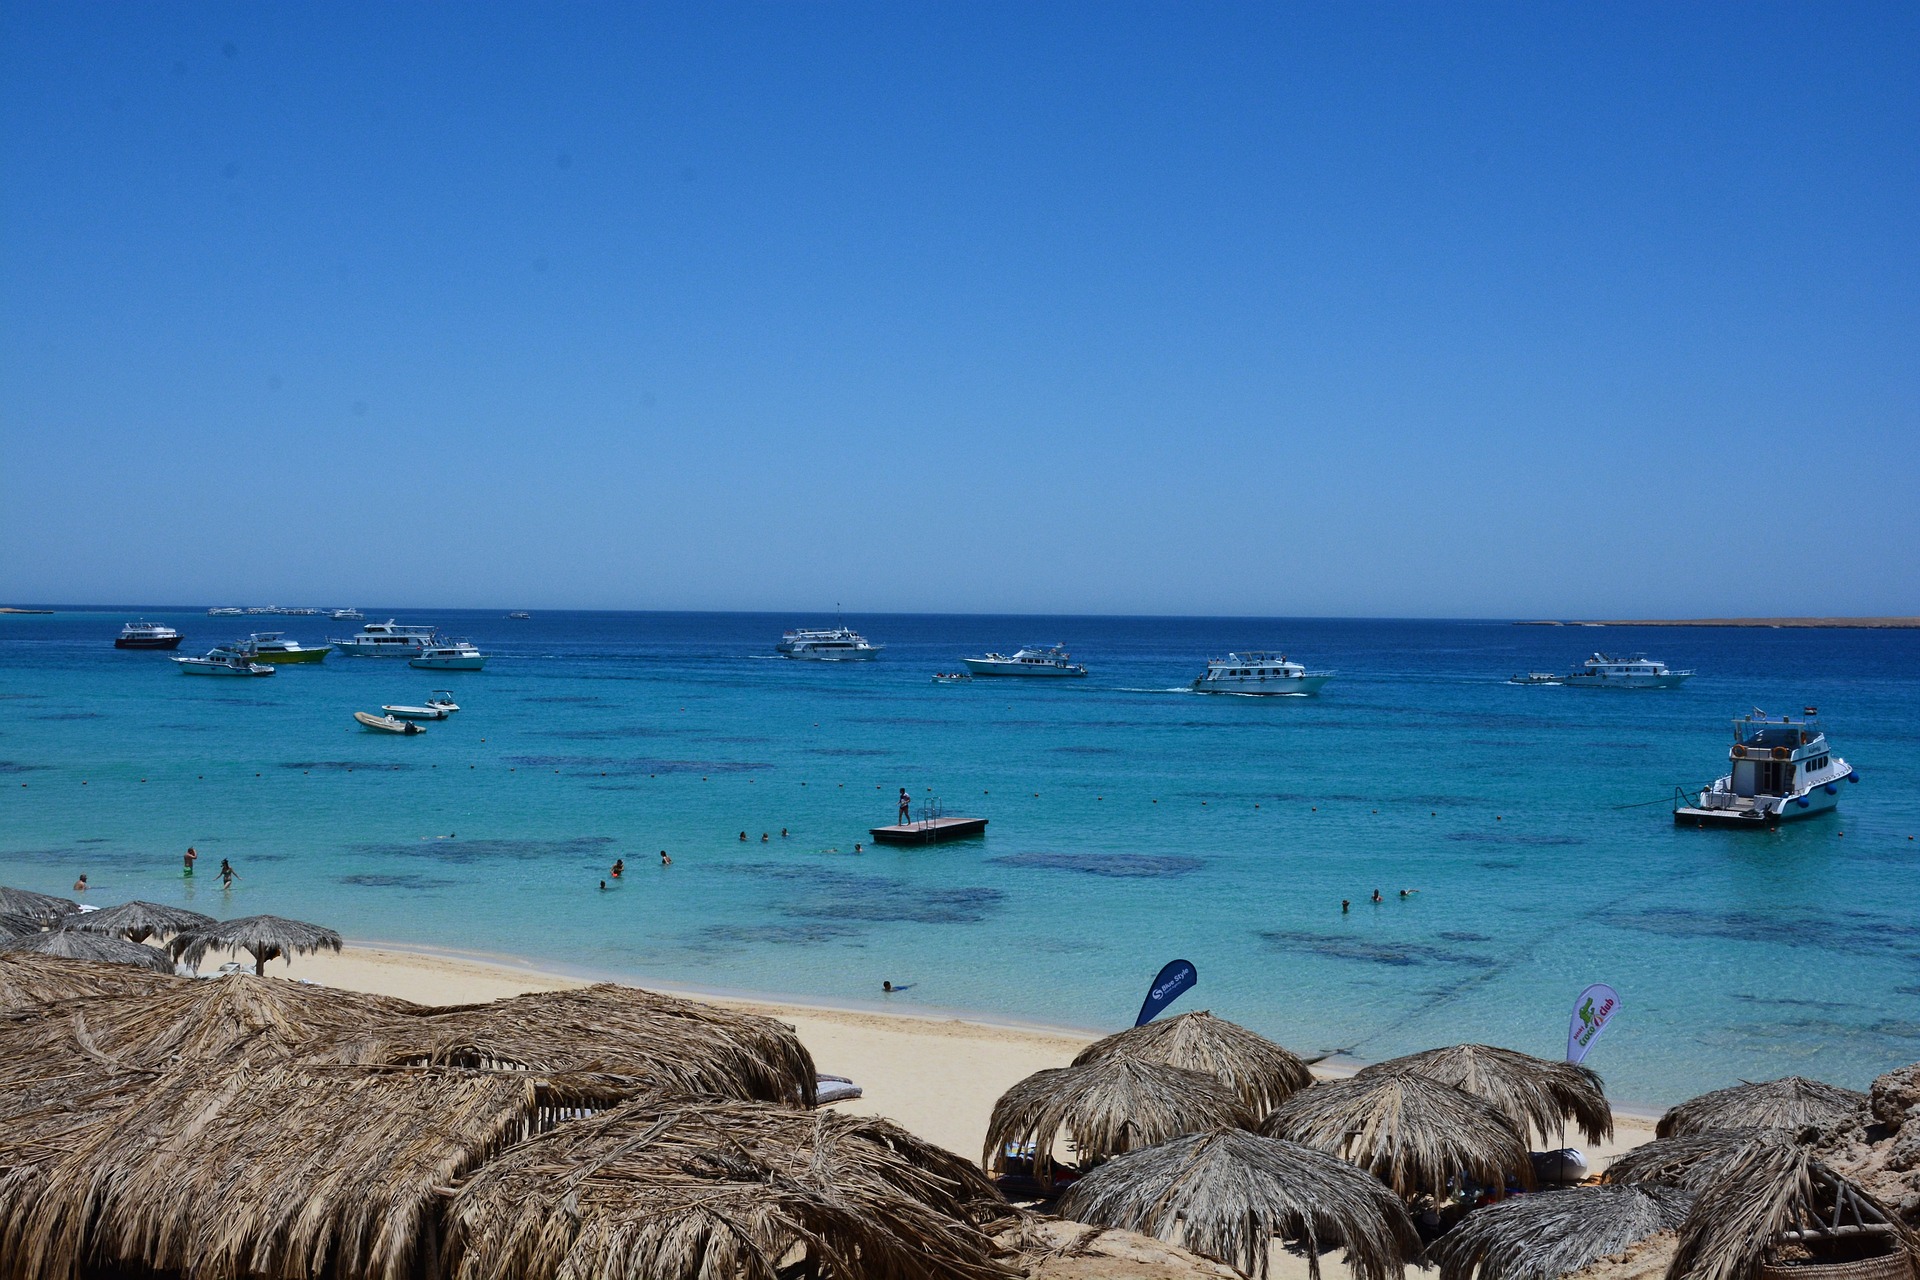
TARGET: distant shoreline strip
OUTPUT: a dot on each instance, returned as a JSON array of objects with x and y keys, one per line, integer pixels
[{"x": 1868, "y": 624}]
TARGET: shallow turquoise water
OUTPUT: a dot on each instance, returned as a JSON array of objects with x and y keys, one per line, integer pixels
[{"x": 1131, "y": 822}]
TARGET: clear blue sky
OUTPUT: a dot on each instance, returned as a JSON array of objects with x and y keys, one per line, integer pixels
[{"x": 1256, "y": 309}]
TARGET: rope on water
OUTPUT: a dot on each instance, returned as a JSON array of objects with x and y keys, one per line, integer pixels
[{"x": 1666, "y": 799}]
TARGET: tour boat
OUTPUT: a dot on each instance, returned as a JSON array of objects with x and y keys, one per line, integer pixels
[
  {"x": 1267, "y": 674},
  {"x": 386, "y": 724},
  {"x": 1542, "y": 679},
  {"x": 836, "y": 644},
  {"x": 1781, "y": 770},
  {"x": 274, "y": 647},
  {"x": 224, "y": 662},
  {"x": 1030, "y": 661},
  {"x": 1603, "y": 671},
  {"x": 349, "y": 615},
  {"x": 145, "y": 635},
  {"x": 449, "y": 655},
  {"x": 384, "y": 640}
]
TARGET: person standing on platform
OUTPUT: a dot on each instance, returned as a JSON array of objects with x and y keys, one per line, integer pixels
[{"x": 906, "y": 807}]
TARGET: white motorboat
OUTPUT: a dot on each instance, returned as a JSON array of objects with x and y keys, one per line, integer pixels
[
  {"x": 443, "y": 699},
  {"x": 1782, "y": 769},
  {"x": 520, "y": 615},
  {"x": 416, "y": 713},
  {"x": 1602, "y": 671},
  {"x": 836, "y": 644},
  {"x": 386, "y": 724},
  {"x": 449, "y": 655},
  {"x": 147, "y": 635},
  {"x": 349, "y": 615},
  {"x": 237, "y": 661},
  {"x": 274, "y": 647},
  {"x": 226, "y": 611},
  {"x": 384, "y": 640},
  {"x": 1030, "y": 661},
  {"x": 1260, "y": 673},
  {"x": 1542, "y": 679}
]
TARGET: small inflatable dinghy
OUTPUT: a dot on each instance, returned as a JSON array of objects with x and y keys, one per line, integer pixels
[{"x": 386, "y": 724}]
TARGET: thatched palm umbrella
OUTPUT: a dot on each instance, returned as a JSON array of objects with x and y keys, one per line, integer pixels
[
  {"x": 263, "y": 937},
  {"x": 138, "y": 921},
  {"x": 665, "y": 1190},
  {"x": 1536, "y": 1094},
  {"x": 28, "y": 981},
  {"x": 1780, "y": 1204},
  {"x": 70, "y": 945},
  {"x": 1416, "y": 1135},
  {"x": 1792, "y": 1102},
  {"x": 18, "y": 926},
  {"x": 1696, "y": 1160},
  {"x": 1227, "y": 1193},
  {"x": 1055, "y": 1249},
  {"x": 1105, "y": 1108},
  {"x": 43, "y": 907},
  {"x": 1264, "y": 1073},
  {"x": 1547, "y": 1236}
]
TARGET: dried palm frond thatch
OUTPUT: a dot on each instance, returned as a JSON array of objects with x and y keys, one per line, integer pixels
[
  {"x": 97, "y": 947},
  {"x": 1054, "y": 1249},
  {"x": 665, "y": 1190},
  {"x": 1696, "y": 1160},
  {"x": 1227, "y": 1193},
  {"x": 623, "y": 1033},
  {"x": 1538, "y": 1095},
  {"x": 1792, "y": 1102},
  {"x": 1264, "y": 1073},
  {"x": 28, "y": 980},
  {"x": 1554, "y": 1234},
  {"x": 1416, "y": 1135},
  {"x": 137, "y": 921},
  {"x": 18, "y": 926},
  {"x": 43, "y": 907},
  {"x": 263, "y": 937},
  {"x": 1105, "y": 1108},
  {"x": 1780, "y": 1203}
]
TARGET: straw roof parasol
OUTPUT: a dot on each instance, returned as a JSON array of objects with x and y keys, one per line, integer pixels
[
  {"x": 99, "y": 948},
  {"x": 1780, "y": 1204},
  {"x": 621, "y": 1033},
  {"x": 1791, "y": 1102},
  {"x": 1263, "y": 1072},
  {"x": 263, "y": 937},
  {"x": 1106, "y": 1107},
  {"x": 43, "y": 907},
  {"x": 18, "y": 926},
  {"x": 1416, "y": 1135},
  {"x": 1536, "y": 1094},
  {"x": 665, "y": 1189},
  {"x": 29, "y": 980},
  {"x": 137, "y": 921},
  {"x": 1227, "y": 1193},
  {"x": 1696, "y": 1160},
  {"x": 1547, "y": 1236}
]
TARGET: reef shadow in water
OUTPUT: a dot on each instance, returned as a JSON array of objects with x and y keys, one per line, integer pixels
[
  {"x": 463, "y": 852},
  {"x": 780, "y": 935},
  {"x": 1341, "y": 947},
  {"x": 69, "y": 715},
  {"x": 400, "y": 881},
  {"x": 845, "y": 895},
  {"x": 347, "y": 766},
  {"x": 1119, "y": 866},
  {"x": 1512, "y": 837},
  {"x": 612, "y": 733},
  {"x": 596, "y": 766},
  {"x": 1844, "y": 932},
  {"x": 1087, "y": 751},
  {"x": 850, "y": 752},
  {"x": 566, "y": 699},
  {"x": 15, "y": 766}
]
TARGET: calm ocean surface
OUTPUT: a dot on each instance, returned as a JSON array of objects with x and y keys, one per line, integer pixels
[{"x": 1132, "y": 822}]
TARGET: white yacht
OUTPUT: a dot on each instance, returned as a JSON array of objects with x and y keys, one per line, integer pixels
[
  {"x": 384, "y": 640},
  {"x": 449, "y": 655},
  {"x": 274, "y": 647},
  {"x": 836, "y": 644},
  {"x": 1781, "y": 769},
  {"x": 1603, "y": 671},
  {"x": 1259, "y": 673},
  {"x": 1030, "y": 661},
  {"x": 349, "y": 615},
  {"x": 226, "y": 611},
  {"x": 224, "y": 662}
]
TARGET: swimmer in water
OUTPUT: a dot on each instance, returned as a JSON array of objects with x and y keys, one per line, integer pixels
[
  {"x": 887, "y": 985},
  {"x": 1377, "y": 897},
  {"x": 743, "y": 837},
  {"x": 856, "y": 846},
  {"x": 80, "y": 885},
  {"x": 603, "y": 886},
  {"x": 1345, "y": 906},
  {"x": 191, "y": 857},
  {"x": 619, "y": 865},
  {"x": 763, "y": 837},
  {"x": 665, "y": 861}
]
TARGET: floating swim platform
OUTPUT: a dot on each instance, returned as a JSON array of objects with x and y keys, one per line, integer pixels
[{"x": 929, "y": 831}]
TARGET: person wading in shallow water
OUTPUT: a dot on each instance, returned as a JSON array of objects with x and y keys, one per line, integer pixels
[
  {"x": 227, "y": 874},
  {"x": 190, "y": 858}
]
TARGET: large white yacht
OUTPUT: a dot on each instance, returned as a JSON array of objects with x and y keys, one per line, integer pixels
[
  {"x": 836, "y": 644},
  {"x": 1259, "y": 673},
  {"x": 1782, "y": 769},
  {"x": 1030, "y": 661},
  {"x": 1602, "y": 671},
  {"x": 384, "y": 640}
]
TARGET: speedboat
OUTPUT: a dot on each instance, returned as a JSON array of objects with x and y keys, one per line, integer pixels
[
  {"x": 1781, "y": 770},
  {"x": 520, "y": 615},
  {"x": 1255, "y": 672},
  {"x": 348, "y": 615},
  {"x": 224, "y": 662},
  {"x": 836, "y": 644},
  {"x": 274, "y": 647},
  {"x": 1540, "y": 678},
  {"x": 1603, "y": 671},
  {"x": 443, "y": 699},
  {"x": 449, "y": 655},
  {"x": 384, "y": 640},
  {"x": 386, "y": 724},
  {"x": 416, "y": 713},
  {"x": 145, "y": 635},
  {"x": 1030, "y": 661}
]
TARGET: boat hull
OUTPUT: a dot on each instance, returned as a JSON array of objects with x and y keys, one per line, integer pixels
[
  {"x": 1820, "y": 799},
  {"x": 837, "y": 655},
  {"x": 416, "y": 713},
  {"x": 386, "y": 724},
  {"x": 201, "y": 667},
  {"x": 355, "y": 649},
  {"x": 449, "y": 664},
  {"x": 281, "y": 658},
  {"x": 1033, "y": 670},
  {"x": 1672, "y": 680},
  {"x": 1273, "y": 687},
  {"x": 143, "y": 642}
]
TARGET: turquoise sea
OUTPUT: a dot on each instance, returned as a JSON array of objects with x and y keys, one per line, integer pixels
[{"x": 1131, "y": 822}]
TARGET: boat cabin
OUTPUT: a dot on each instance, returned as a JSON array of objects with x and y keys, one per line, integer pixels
[{"x": 1773, "y": 756}]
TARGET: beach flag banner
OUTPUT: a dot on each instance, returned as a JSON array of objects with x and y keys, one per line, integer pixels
[
  {"x": 1591, "y": 1013},
  {"x": 1175, "y": 977}
]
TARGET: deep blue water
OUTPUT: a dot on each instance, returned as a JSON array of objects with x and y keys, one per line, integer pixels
[{"x": 1131, "y": 822}]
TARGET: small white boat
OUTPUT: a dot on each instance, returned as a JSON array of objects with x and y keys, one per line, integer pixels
[
  {"x": 1268, "y": 674},
  {"x": 1602, "y": 671},
  {"x": 443, "y": 699},
  {"x": 224, "y": 662},
  {"x": 1782, "y": 769},
  {"x": 226, "y": 611},
  {"x": 1030, "y": 661},
  {"x": 415, "y": 713},
  {"x": 1539, "y": 678},
  {"x": 386, "y": 724},
  {"x": 349, "y": 615},
  {"x": 835, "y": 644},
  {"x": 449, "y": 655},
  {"x": 520, "y": 615}
]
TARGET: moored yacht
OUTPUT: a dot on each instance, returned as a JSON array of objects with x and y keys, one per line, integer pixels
[
  {"x": 226, "y": 611},
  {"x": 1030, "y": 661},
  {"x": 274, "y": 647},
  {"x": 1782, "y": 769},
  {"x": 1259, "y": 673},
  {"x": 349, "y": 615},
  {"x": 1603, "y": 671},
  {"x": 384, "y": 640},
  {"x": 146, "y": 635},
  {"x": 449, "y": 655},
  {"x": 224, "y": 662},
  {"x": 835, "y": 644}
]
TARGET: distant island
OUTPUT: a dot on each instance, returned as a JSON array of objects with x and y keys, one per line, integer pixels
[
  {"x": 4, "y": 609},
  {"x": 1872, "y": 623}
]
